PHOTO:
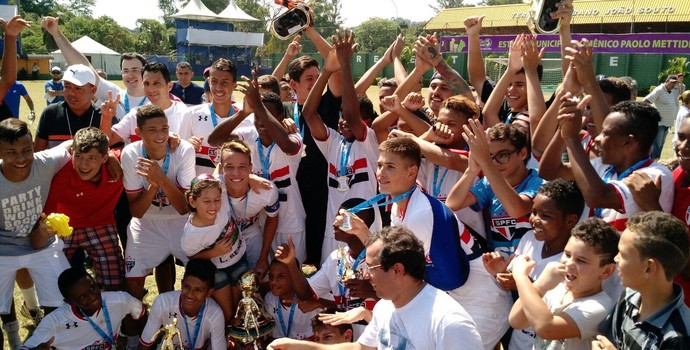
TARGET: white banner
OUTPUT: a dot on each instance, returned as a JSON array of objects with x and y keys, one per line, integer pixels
[{"x": 223, "y": 38}]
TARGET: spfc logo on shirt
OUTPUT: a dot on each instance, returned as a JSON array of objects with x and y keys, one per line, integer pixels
[
  {"x": 129, "y": 264},
  {"x": 504, "y": 226}
]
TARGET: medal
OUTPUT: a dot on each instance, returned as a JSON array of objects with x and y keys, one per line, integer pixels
[
  {"x": 343, "y": 184},
  {"x": 347, "y": 223}
]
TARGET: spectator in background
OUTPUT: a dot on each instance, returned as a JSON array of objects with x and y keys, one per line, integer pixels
[
  {"x": 189, "y": 92},
  {"x": 12, "y": 100},
  {"x": 665, "y": 99},
  {"x": 34, "y": 71},
  {"x": 54, "y": 87}
]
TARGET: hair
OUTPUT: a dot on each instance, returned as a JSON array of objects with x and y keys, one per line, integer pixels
[
  {"x": 132, "y": 56},
  {"x": 198, "y": 185},
  {"x": 299, "y": 65},
  {"x": 273, "y": 99},
  {"x": 685, "y": 97},
  {"x": 599, "y": 235},
  {"x": 202, "y": 269},
  {"x": 642, "y": 121},
  {"x": 367, "y": 215},
  {"x": 88, "y": 138},
  {"x": 514, "y": 134},
  {"x": 235, "y": 146},
  {"x": 147, "y": 112},
  {"x": 183, "y": 65},
  {"x": 387, "y": 83},
  {"x": 225, "y": 65},
  {"x": 270, "y": 83},
  {"x": 540, "y": 71},
  {"x": 662, "y": 237},
  {"x": 461, "y": 104},
  {"x": 69, "y": 278},
  {"x": 633, "y": 86},
  {"x": 566, "y": 194},
  {"x": 342, "y": 328},
  {"x": 366, "y": 108},
  {"x": 404, "y": 147},
  {"x": 157, "y": 67},
  {"x": 13, "y": 129},
  {"x": 401, "y": 246},
  {"x": 617, "y": 88}
]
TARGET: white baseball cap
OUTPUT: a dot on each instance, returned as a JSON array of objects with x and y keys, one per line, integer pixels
[
  {"x": 56, "y": 68},
  {"x": 79, "y": 75}
]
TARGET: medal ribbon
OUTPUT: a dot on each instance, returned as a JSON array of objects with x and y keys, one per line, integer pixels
[
  {"x": 197, "y": 326},
  {"x": 141, "y": 103},
  {"x": 436, "y": 187},
  {"x": 374, "y": 201},
  {"x": 286, "y": 330},
  {"x": 232, "y": 208},
  {"x": 108, "y": 338},
  {"x": 344, "y": 156},
  {"x": 264, "y": 160},
  {"x": 166, "y": 166},
  {"x": 295, "y": 117}
]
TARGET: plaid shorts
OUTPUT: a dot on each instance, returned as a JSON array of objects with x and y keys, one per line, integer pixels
[{"x": 103, "y": 246}]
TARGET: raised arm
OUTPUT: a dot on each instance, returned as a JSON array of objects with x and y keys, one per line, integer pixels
[
  {"x": 531, "y": 58},
  {"x": 565, "y": 13},
  {"x": 421, "y": 66},
  {"x": 551, "y": 166},
  {"x": 433, "y": 152},
  {"x": 429, "y": 49},
  {"x": 344, "y": 42},
  {"x": 493, "y": 104},
  {"x": 9, "y": 63},
  {"x": 475, "y": 60},
  {"x": 324, "y": 48},
  {"x": 71, "y": 54},
  {"x": 413, "y": 101},
  {"x": 292, "y": 50},
  {"x": 370, "y": 75},
  {"x": 582, "y": 59}
]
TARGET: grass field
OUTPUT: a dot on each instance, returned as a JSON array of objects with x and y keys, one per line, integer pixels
[{"x": 35, "y": 89}]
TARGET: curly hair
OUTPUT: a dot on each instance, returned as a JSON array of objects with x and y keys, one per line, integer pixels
[
  {"x": 642, "y": 121},
  {"x": 88, "y": 138},
  {"x": 566, "y": 194},
  {"x": 599, "y": 235}
]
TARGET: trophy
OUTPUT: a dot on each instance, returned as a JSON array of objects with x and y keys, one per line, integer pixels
[
  {"x": 169, "y": 332},
  {"x": 254, "y": 323},
  {"x": 346, "y": 271},
  {"x": 540, "y": 17},
  {"x": 291, "y": 22}
]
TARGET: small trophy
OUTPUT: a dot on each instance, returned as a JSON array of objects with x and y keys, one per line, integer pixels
[
  {"x": 169, "y": 333},
  {"x": 254, "y": 323},
  {"x": 347, "y": 272},
  {"x": 347, "y": 221}
]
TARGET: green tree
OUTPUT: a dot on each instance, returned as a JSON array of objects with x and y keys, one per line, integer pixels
[
  {"x": 257, "y": 9},
  {"x": 80, "y": 7},
  {"x": 376, "y": 34},
  {"x": 447, "y": 4},
  {"x": 168, "y": 7},
  {"x": 153, "y": 38},
  {"x": 38, "y": 7},
  {"x": 676, "y": 65},
  {"x": 500, "y": 2}
]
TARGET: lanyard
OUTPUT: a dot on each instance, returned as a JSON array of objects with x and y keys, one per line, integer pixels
[
  {"x": 197, "y": 326},
  {"x": 341, "y": 271},
  {"x": 109, "y": 338},
  {"x": 166, "y": 166},
  {"x": 436, "y": 186},
  {"x": 344, "y": 156},
  {"x": 598, "y": 212},
  {"x": 373, "y": 201},
  {"x": 141, "y": 103},
  {"x": 300, "y": 127},
  {"x": 213, "y": 115},
  {"x": 264, "y": 160},
  {"x": 286, "y": 330},
  {"x": 239, "y": 220}
]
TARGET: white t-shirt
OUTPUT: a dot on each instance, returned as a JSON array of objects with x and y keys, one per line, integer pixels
[
  {"x": 300, "y": 327},
  {"x": 126, "y": 128},
  {"x": 360, "y": 170},
  {"x": 180, "y": 171},
  {"x": 104, "y": 86},
  {"x": 445, "y": 180},
  {"x": 587, "y": 312},
  {"x": 72, "y": 331},
  {"x": 167, "y": 306},
  {"x": 197, "y": 121},
  {"x": 283, "y": 172},
  {"x": 666, "y": 102},
  {"x": 618, "y": 218},
  {"x": 196, "y": 239},
  {"x": 431, "y": 320},
  {"x": 245, "y": 210}
]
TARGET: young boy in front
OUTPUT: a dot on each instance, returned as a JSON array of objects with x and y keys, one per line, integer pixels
[
  {"x": 328, "y": 334},
  {"x": 567, "y": 302},
  {"x": 73, "y": 192},
  {"x": 90, "y": 319},
  {"x": 155, "y": 180},
  {"x": 651, "y": 314},
  {"x": 199, "y": 319}
]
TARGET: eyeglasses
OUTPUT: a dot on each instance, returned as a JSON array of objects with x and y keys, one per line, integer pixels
[
  {"x": 503, "y": 157},
  {"x": 133, "y": 71},
  {"x": 368, "y": 268}
]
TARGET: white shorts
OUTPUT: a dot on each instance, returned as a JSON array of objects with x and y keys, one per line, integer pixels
[
  {"x": 298, "y": 239},
  {"x": 45, "y": 266},
  {"x": 149, "y": 242},
  {"x": 486, "y": 302}
]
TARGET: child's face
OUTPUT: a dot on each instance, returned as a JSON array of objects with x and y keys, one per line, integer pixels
[
  {"x": 154, "y": 133},
  {"x": 548, "y": 221},
  {"x": 88, "y": 164},
  {"x": 517, "y": 93},
  {"x": 261, "y": 128},
  {"x": 345, "y": 130},
  {"x": 194, "y": 293},
  {"x": 17, "y": 158},
  {"x": 222, "y": 85},
  {"x": 504, "y": 151},
  {"x": 583, "y": 273},
  {"x": 279, "y": 280},
  {"x": 394, "y": 174},
  {"x": 631, "y": 267},
  {"x": 306, "y": 82},
  {"x": 325, "y": 334},
  {"x": 85, "y": 295},
  {"x": 207, "y": 204},
  {"x": 236, "y": 169},
  {"x": 454, "y": 121}
]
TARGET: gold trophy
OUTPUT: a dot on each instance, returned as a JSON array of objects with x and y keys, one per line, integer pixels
[
  {"x": 347, "y": 273},
  {"x": 169, "y": 333},
  {"x": 540, "y": 20},
  {"x": 254, "y": 323}
]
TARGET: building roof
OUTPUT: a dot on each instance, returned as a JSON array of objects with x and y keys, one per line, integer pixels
[
  {"x": 586, "y": 12},
  {"x": 234, "y": 13},
  {"x": 196, "y": 10}
]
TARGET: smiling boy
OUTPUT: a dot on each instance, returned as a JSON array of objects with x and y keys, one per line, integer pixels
[{"x": 73, "y": 192}]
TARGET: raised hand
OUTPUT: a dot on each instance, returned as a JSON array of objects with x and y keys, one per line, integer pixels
[
  {"x": 580, "y": 54},
  {"x": 473, "y": 25},
  {"x": 523, "y": 265},
  {"x": 570, "y": 115},
  {"x": 294, "y": 47},
  {"x": 391, "y": 103},
  {"x": 109, "y": 107},
  {"x": 515, "y": 53},
  {"x": 285, "y": 252},
  {"x": 14, "y": 26},
  {"x": 51, "y": 25},
  {"x": 413, "y": 101},
  {"x": 428, "y": 49},
  {"x": 531, "y": 55},
  {"x": 250, "y": 89},
  {"x": 344, "y": 43}
]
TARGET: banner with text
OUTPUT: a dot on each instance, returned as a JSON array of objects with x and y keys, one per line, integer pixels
[{"x": 656, "y": 43}]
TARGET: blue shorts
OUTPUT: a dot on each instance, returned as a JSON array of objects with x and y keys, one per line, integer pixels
[{"x": 231, "y": 275}]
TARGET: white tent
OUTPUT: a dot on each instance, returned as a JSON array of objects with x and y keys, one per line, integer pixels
[
  {"x": 99, "y": 55},
  {"x": 196, "y": 10},
  {"x": 234, "y": 13}
]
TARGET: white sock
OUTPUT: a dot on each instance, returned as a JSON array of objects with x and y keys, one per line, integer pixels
[
  {"x": 12, "y": 331},
  {"x": 30, "y": 298},
  {"x": 132, "y": 342}
]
